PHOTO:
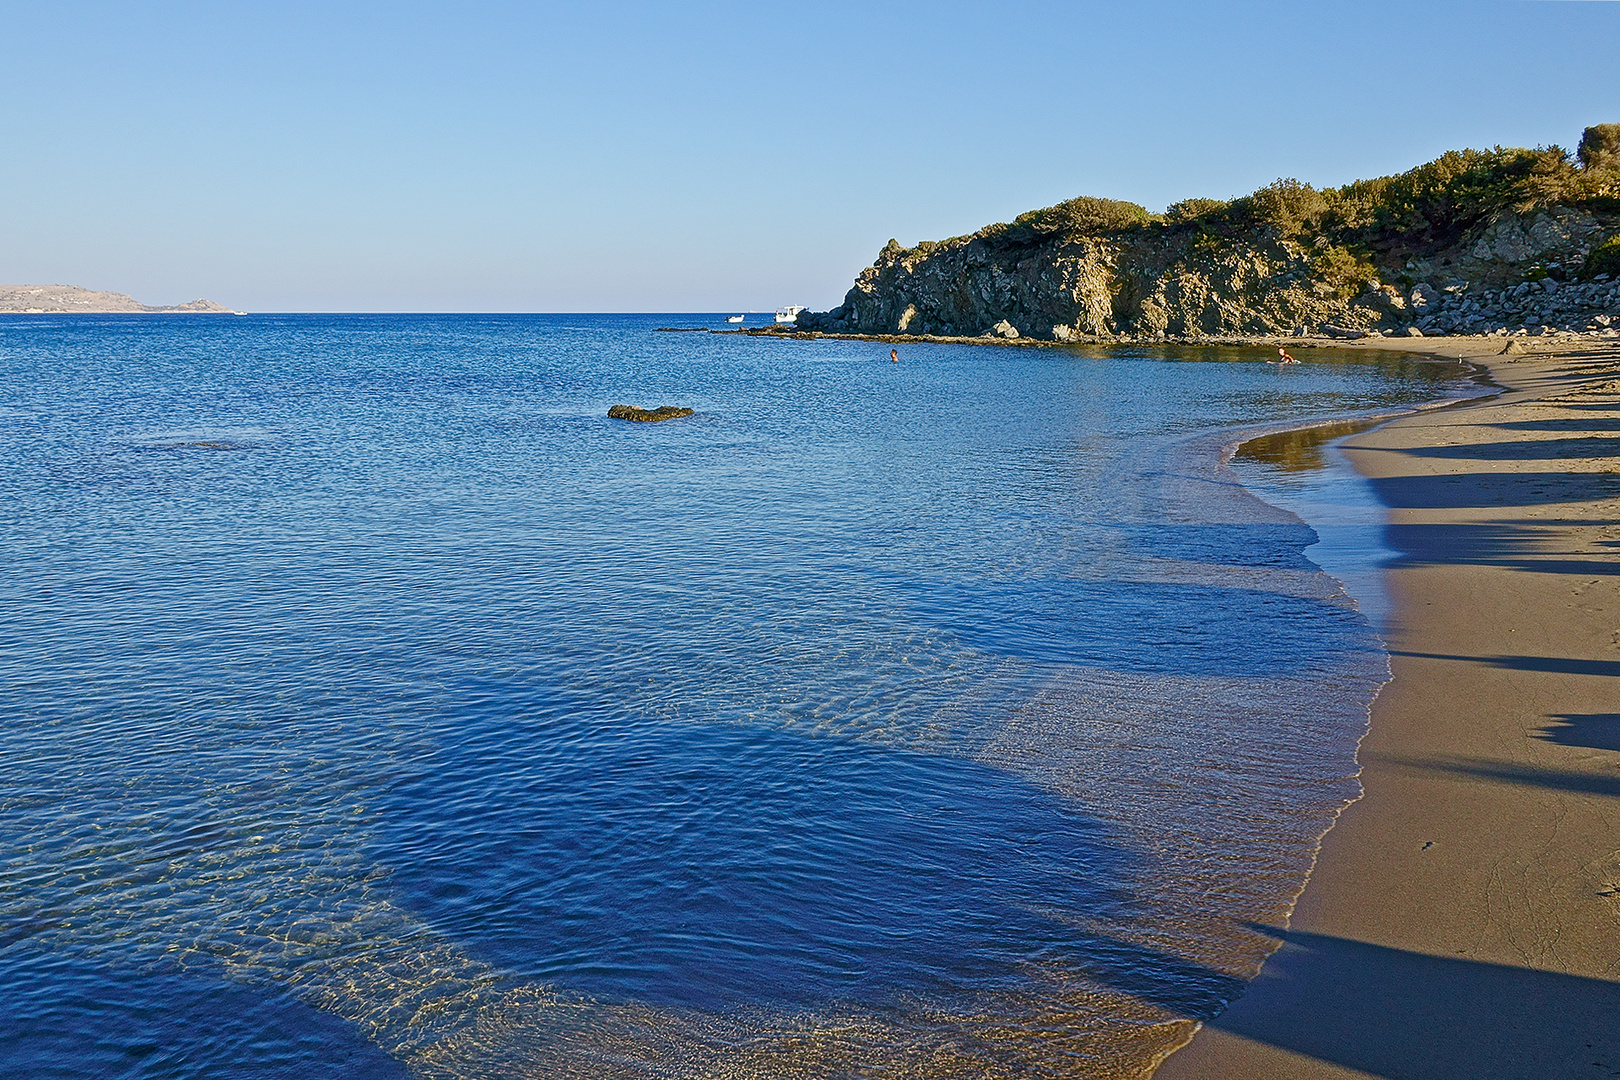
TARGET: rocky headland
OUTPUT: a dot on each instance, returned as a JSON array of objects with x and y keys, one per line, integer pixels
[
  {"x": 58, "y": 299},
  {"x": 1475, "y": 242}
]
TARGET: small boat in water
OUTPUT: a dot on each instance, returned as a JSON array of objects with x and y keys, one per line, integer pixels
[
  {"x": 734, "y": 318},
  {"x": 789, "y": 314}
]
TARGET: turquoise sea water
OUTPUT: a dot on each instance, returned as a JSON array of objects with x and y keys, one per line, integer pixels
[{"x": 375, "y": 706}]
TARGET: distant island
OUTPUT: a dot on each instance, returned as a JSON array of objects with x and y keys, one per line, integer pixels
[
  {"x": 58, "y": 299},
  {"x": 1475, "y": 242}
]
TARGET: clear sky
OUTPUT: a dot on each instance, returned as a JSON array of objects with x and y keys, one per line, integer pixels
[{"x": 613, "y": 156}]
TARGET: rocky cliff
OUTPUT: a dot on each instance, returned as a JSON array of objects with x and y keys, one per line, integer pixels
[
  {"x": 56, "y": 299},
  {"x": 1476, "y": 241}
]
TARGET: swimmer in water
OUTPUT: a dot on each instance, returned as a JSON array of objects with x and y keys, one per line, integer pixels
[
  {"x": 894, "y": 356},
  {"x": 1283, "y": 357}
]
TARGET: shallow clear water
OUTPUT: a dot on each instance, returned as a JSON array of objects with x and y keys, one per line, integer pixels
[{"x": 374, "y": 705}]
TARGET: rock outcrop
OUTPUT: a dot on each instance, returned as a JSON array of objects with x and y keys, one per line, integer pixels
[
  {"x": 1173, "y": 282},
  {"x": 1470, "y": 242},
  {"x": 632, "y": 412}
]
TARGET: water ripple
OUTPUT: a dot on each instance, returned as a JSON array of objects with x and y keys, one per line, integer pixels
[{"x": 376, "y": 705}]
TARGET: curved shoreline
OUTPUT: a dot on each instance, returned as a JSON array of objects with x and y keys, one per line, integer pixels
[
  {"x": 1334, "y": 431},
  {"x": 1461, "y": 919}
]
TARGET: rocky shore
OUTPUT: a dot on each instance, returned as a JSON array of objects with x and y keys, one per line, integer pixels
[{"x": 1538, "y": 307}]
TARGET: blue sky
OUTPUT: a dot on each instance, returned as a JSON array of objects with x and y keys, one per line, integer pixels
[{"x": 615, "y": 156}]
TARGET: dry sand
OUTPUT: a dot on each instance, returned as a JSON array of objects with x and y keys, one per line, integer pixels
[{"x": 1463, "y": 920}]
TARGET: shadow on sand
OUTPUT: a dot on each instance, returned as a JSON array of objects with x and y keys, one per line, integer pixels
[
  {"x": 1570, "y": 780},
  {"x": 1403, "y": 1015},
  {"x": 1574, "y": 423},
  {"x": 1523, "y": 544},
  {"x": 1558, "y": 665},
  {"x": 1410, "y": 1016},
  {"x": 1598, "y": 446},
  {"x": 1513, "y": 545},
  {"x": 1596, "y": 731},
  {"x": 1495, "y": 490}
]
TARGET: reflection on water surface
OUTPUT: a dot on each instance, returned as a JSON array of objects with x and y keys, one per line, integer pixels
[{"x": 1298, "y": 449}]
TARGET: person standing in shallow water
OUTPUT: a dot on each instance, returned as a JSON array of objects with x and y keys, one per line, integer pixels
[{"x": 894, "y": 356}]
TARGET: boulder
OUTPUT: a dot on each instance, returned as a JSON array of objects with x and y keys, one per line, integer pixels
[
  {"x": 1005, "y": 329},
  {"x": 633, "y": 412}
]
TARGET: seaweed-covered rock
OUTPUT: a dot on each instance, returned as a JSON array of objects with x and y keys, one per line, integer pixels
[{"x": 633, "y": 412}]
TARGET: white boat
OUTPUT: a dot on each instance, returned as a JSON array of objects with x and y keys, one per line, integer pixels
[
  {"x": 734, "y": 318},
  {"x": 790, "y": 313}
]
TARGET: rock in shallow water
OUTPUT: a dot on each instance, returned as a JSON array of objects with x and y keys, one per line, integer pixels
[{"x": 633, "y": 412}]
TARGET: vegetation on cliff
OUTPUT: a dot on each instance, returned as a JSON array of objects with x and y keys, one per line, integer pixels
[
  {"x": 1285, "y": 257},
  {"x": 1433, "y": 205}
]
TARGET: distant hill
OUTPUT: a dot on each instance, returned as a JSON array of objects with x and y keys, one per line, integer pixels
[
  {"x": 1475, "y": 241},
  {"x": 56, "y": 299}
]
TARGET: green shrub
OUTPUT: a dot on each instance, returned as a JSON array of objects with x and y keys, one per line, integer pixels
[
  {"x": 1600, "y": 147},
  {"x": 1604, "y": 259},
  {"x": 1193, "y": 209},
  {"x": 1441, "y": 199},
  {"x": 1087, "y": 216},
  {"x": 1339, "y": 267},
  {"x": 1292, "y": 207},
  {"x": 1420, "y": 209}
]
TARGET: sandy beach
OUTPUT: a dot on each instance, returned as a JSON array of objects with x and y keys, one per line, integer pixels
[{"x": 1463, "y": 919}]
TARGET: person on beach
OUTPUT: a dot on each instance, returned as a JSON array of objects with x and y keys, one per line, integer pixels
[
  {"x": 1283, "y": 357},
  {"x": 894, "y": 356}
]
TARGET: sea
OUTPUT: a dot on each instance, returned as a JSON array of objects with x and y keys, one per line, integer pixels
[{"x": 375, "y": 706}]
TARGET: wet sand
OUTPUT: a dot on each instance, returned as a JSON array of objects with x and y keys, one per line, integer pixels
[{"x": 1463, "y": 919}]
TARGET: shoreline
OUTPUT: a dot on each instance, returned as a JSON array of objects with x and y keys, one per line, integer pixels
[
  {"x": 1462, "y": 918},
  {"x": 1527, "y": 342}
]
